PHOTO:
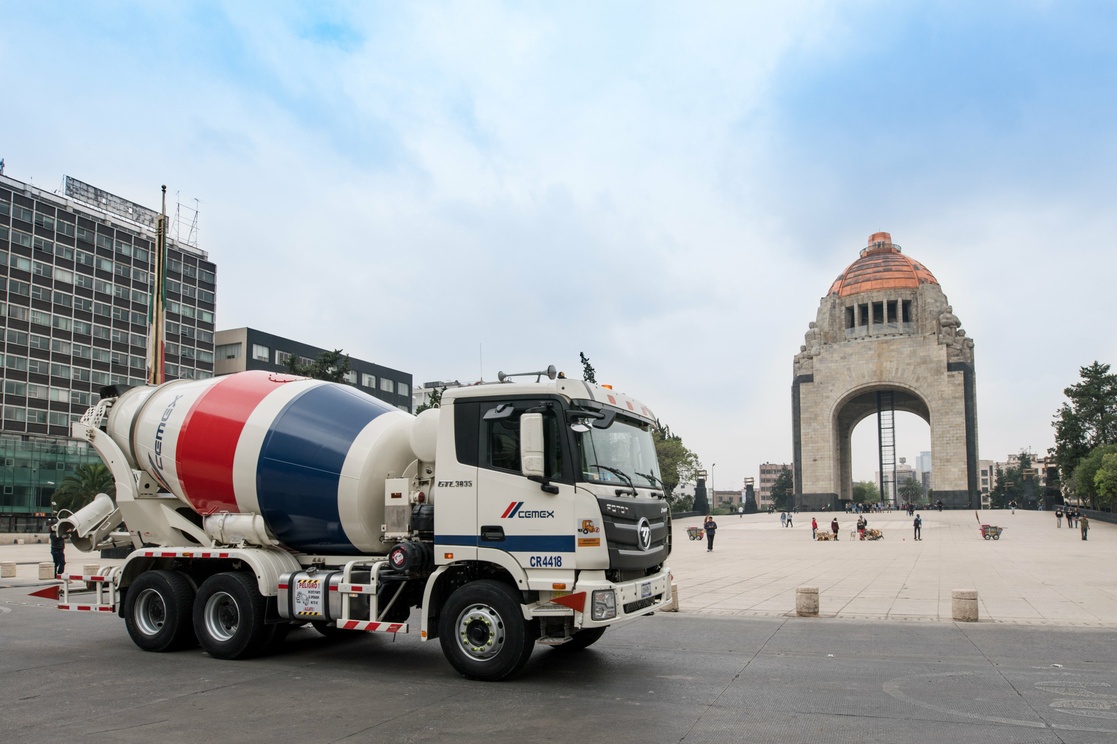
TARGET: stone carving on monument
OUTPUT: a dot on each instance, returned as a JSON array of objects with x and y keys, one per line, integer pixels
[{"x": 884, "y": 328}]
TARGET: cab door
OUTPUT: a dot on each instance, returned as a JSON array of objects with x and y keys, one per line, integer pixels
[{"x": 531, "y": 521}]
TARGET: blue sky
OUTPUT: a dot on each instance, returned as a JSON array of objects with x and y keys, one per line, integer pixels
[{"x": 454, "y": 189}]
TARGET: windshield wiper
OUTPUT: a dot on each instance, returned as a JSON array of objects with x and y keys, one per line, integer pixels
[
  {"x": 653, "y": 480},
  {"x": 622, "y": 475}
]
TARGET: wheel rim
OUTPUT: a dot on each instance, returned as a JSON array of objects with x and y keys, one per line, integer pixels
[
  {"x": 151, "y": 612},
  {"x": 222, "y": 616},
  {"x": 481, "y": 632}
]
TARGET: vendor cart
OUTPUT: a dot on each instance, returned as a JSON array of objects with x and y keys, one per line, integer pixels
[
  {"x": 989, "y": 531},
  {"x": 695, "y": 533}
]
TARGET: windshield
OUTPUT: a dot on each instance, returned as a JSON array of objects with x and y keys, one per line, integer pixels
[{"x": 625, "y": 446}]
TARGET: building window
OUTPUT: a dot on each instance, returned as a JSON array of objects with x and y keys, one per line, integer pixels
[
  {"x": 227, "y": 351},
  {"x": 260, "y": 353},
  {"x": 388, "y": 386},
  {"x": 351, "y": 377},
  {"x": 368, "y": 380},
  {"x": 402, "y": 388}
]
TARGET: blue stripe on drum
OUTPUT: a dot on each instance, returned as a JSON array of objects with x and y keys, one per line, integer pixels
[
  {"x": 512, "y": 543},
  {"x": 300, "y": 462}
]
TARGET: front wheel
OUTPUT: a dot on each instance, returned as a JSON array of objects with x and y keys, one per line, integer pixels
[
  {"x": 483, "y": 632},
  {"x": 157, "y": 611},
  {"x": 229, "y": 616}
]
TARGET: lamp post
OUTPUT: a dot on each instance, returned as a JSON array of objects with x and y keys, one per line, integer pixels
[{"x": 713, "y": 492}]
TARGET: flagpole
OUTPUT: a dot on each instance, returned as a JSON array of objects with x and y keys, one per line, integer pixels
[{"x": 156, "y": 344}]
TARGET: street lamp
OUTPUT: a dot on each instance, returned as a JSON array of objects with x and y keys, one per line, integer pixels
[{"x": 713, "y": 491}]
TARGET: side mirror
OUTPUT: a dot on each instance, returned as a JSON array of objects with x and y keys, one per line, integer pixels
[{"x": 531, "y": 445}]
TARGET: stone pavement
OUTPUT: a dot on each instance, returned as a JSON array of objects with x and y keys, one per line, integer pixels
[{"x": 1036, "y": 574}]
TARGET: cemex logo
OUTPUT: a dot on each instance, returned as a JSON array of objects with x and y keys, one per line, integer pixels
[{"x": 515, "y": 510}]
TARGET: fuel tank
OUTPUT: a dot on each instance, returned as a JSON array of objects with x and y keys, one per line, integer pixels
[{"x": 308, "y": 456}]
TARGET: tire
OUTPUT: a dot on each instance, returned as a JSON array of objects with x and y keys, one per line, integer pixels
[
  {"x": 996, "y": 537},
  {"x": 229, "y": 616},
  {"x": 582, "y": 639},
  {"x": 483, "y": 632},
  {"x": 987, "y": 537},
  {"x": 157, "y": 611}
]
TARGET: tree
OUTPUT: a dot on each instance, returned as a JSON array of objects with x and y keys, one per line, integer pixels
[
  {"x": 79, "y": 487},
  {"x": 1088, "y": 420},
  {"x": 783, "y": 490},
  {"x": 866, "y": 492},
  {"x": 330, "y": 365},
  {"x": 1105, "y": 481},
  {"x": 587, "y": 369},
  {"x": 677, "y": 464},
  {"x": 1085, "y": 475},
  {"x": 434, "y": 401},
  {"x": 911, "y": 491}
]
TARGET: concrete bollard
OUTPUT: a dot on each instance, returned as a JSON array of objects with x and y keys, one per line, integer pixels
[
  {"x": 806, "y": 601},
  {"x": 46, "y": 570},
  {"x": 90, "y": 569},
  {"x": 963, "y": 605},
  {"x": 8, "y": 570}
]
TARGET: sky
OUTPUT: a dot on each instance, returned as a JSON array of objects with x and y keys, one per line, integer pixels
[{"x": 456, "y": 189}]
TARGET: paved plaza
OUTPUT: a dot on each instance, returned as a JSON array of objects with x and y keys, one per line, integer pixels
[{"x": 1036, "y": 574}]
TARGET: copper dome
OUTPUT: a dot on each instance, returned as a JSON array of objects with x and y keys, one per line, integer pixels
[{"x": 881, "y": 266}]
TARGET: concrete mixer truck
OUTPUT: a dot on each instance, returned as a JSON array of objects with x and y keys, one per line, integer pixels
[{"x": 517, "y": 513}]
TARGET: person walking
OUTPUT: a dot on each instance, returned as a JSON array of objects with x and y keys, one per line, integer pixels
[
  {"x": 58, "y": 551},
  {"x": 789, "y": 518},
  {"x": 783, "y": 519},
  {"x": 711, "y": 528},
  {"x": 1059, "y": 517},
  {"x": 814, "y": 528},
  {"x": 834, "y": 527},
  {"x": 918, "y": 524},
  {"x": 1084, "y": 524}
]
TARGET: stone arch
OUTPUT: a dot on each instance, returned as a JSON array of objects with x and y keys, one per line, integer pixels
[
  {"x": 855, "y": 407},
  {"x": 885, "y": 324}
]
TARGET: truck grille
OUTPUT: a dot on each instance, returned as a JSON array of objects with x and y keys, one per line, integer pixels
[{"x": 623, "y": 518}]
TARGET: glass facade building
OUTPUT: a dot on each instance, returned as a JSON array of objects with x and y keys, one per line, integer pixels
[{"x": 75, "y": 291}]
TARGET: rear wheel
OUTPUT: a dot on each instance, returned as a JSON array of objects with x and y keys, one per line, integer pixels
[
  {"x": 229, "y": 616},
  {"x": 157, "y": 611},
  {"x": 483, "y": 632}
]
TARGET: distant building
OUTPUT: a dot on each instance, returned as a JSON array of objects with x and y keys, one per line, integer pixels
[
  {"x": 75, "y": 288},
  {"x": 240, "y": 349},
  {"x": 769, "y": 471}
]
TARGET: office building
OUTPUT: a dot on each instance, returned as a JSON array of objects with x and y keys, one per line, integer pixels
[
  {"x": 75, "y": 286},
  {"x": 240, "y": 349}
]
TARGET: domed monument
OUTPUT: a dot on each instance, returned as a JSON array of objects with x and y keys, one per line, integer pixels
[{"x": 884, "y": 340}]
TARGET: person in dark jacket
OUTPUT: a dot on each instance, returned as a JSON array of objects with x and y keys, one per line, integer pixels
[
  {"x": 834, "y": 527},
  {"x": 57, "y": 551},
  {"x": 918, "y": 524},
  {"x": 711, "y": 527}
]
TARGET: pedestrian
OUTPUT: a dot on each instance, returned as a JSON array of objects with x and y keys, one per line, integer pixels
[
  {"x": 741, "y": 512},
  {"x": 783, "y": 519},
  {"x": 1013, "y": 505},
  {"x": 58, "y": 551},
  {"x": 918, "y": 523},
  {"x": 862, "y": 523},
  {"x": 1084, "y": 523},
  {"x": 1059, "y": 517},
  {"x": 789, "y": 518},
  {"x": 814, "y": 528},
  {"x": 834, "y": 527},
  {"x": 711, "y": 527}
]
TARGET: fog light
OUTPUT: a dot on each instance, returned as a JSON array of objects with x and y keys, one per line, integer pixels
[{"x": 604, "y": 605}]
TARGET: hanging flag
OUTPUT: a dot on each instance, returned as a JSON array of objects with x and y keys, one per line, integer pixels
[{"x": 157, "y": 309}]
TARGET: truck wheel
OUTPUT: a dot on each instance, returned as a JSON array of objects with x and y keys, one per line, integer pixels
[
  {"x": 582, "y": 639},
  {"x": 157, "y": 611},
  {"x": 229, "y": 616},
  {"x": 483, "y": 632}
]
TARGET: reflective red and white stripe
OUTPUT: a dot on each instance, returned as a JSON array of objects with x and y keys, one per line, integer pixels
[
  {"x": 87, "y": 608},
  {"x": 371, "y": 626}
]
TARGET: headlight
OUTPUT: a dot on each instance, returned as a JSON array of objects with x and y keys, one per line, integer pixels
[{"x": 604, "y": 604}]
